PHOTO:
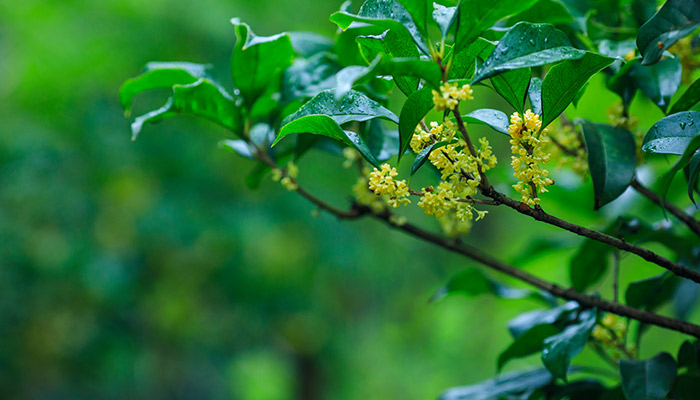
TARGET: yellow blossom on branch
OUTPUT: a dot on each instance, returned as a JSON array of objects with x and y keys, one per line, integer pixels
[
  {"x": 527, "y": 140},
  {"x": 450, "y": 95}
]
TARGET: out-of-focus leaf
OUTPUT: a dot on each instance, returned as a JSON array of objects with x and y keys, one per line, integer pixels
[
  {"x": 582, "y": 390},
  {"x": 659, "y": 82},
  {"x": 652, "y": 292},
  {"x": 355, "y": 106},
  {"x": 675, "y": 19},
  {"x": 589, "y": 264},
  {"x": 648, "y": 380},
  {"x": 503, "y": 386},
  {"x": 473, "y": 282},
  {"x": 524, "y": 322},
  {"x": 564, "y": 80},
  {"x": 688, "y": 99},
  {"x": 475, "y": 16},
  {"x": 683, "y": 161},
  {"x": 560, "y": 349},
  {"x": 306, "y": 77},
  {"x": 512, "y": 86},
  {"x": 202, "y": 99},
  {"x": 534, "y": 93},
  {"x": 308, "y": 44},
  {"x": 422, "y": 157},
  {"x": 689, "y": 356},
  {"x": 258, "y": 61},
  {"x": 326, "y": 126},
  {"x": 414, "y": 109},
  {"x": 693, "y": 175},
  {"x": 686, "y": 387},
  {"x": 544, "y": 11},
  {"x": 528, "y": 343},
  {"x": 611, "y": 160},
  {"x": 672, "y": 134},
  {"x": 496, "y": 119},
  {"x": 528, "y": 45}
]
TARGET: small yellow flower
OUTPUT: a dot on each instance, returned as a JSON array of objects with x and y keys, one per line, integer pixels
[
  {"x": 450, "y": 95},
  {"x": 527, "y": 140},
  {"x": 382, "y": 183}
]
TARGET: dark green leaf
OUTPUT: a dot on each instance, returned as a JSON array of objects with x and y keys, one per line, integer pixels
[
  {"x": 512, "y": 86},
  {"x": 422, "y": 157},
  {"x": 689, "y": 98},
  {"x": 528, "y": 343},
  {"x": 326, "y": 126},
  {"x": 444, "y": 17},
  {"x": 160, "y": 75},
  {"x": 534, "y": 93},
  {"x": 391, "y": 44},
  {"x": 544, "y": 11},
  {"x": 686, "y": 387},
  {"x": 496, "y": 119},
  {"x": 648, "y": 380},
  {"x": 659, "y": 82},
  {"x": 258, "y": 61},
  {"x": 420, "y": 13},
  {"x": 414, "y": 109},
  {"x": 524, "y": 322},
  {"x": 503, "y": 386},
  {"x": 308, "y": 44},
  {"x": 564, "y": 80},
  {"x": 463, "y": 62},
  {"x": 667, "y": 178},
  {"x": 528, "y": 45},
  {"x": 475, "y": 16},
  {"x": 387, "y": 14},
  {"x": 581, "y": 390},
  {"x": 382, "y": 141},
  {"x": 693, "y": 175},
  {"x": 355, "y": 106},
  {"x": 307, "y": 77},
  {"x": 560, "y": 349},
  {"x": 672, "y": 134},
  {"x": 589, "y": 264},
  {"x": 689, "y": 356},
  {"x": 652, "y": 292},
  {"x": 611, "y": 160},
  {"x": 202, "y": 99},
  {"x": 675, "y": 19}
]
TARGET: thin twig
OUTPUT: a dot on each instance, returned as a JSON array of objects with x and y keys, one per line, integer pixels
[
  {"x": 692, "y": 223},
  {"x": 616, "y": 274}
]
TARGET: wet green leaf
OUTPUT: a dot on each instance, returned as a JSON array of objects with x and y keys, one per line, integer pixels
[
  {"x": 444, "y": 17},
  {"x": 675, "y": 19},
  {"x": 355, "y": 106},
  {"x": 560, "y": 349},
  {"x": 534, "y": 93},
  {"x": 659, "y": 82},
  {"x": 512, "y": 86},
  {"x": 648, "y": 380},
  {"x": 496, "y": 119},
  {"x": 672, "y": 134},
  {"x": 414, "y": 109},
  {"x": 476, "y": 16}
]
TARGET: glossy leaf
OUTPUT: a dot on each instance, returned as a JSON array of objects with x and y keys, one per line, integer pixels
[
  {"x": 422, "y": 157},
  {"x": 355, "y": 106},
  {"x": 160, "y": 75},
  {"x": 648, "y": 380},
  {"x": 503, "y": 386},
  {"x": 611, "y": 160},
  {"x": 659, "y": 82},
  {"x": 564, "y": 80},
  {"x": 496, "y": 119},
  {"x": 512, "y": 86},
  {"x": 326, "y": 126},
  {"x": 672, "y": 134},
  {"x": 420, "y": 13},
  {"x": 464, "y": 61},
  {"x": 306, "y": 77},
  {"x": 524, "y": 322},
  {"x": 689, "y": 98},
  {"x": 201, "y": 99},
  {"x": 560, "y": 349},
  {"x": 391, "y": 44},
  {"x": 667, "y": 178},
  {"x": 444, "y": 17},
  {"x": 387, "y": 14},
  {"x": 528, "y": 343},
  {"x": 534, "y": 94},
  {"x": 528, "y": 45},
  {"x": 414, "y": 109},
  {"x": 476, "y": 16},
  {"x": 675, "y": 19}
]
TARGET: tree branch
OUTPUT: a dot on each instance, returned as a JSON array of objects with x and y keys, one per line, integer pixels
[{"x": 692, "y": 223}]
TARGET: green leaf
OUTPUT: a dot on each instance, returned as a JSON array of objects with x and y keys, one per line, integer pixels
[
  {"x": 534, "y": 93},
  {"x": 473, "y": 282},
  {"x": 672, "y": 134},
  {"x": 505, "y": 386},
  {"x": 258, "y": 61},
  {"x": 659, "y": 82},
  {"x": 589, "y": 264},
  {"x": 326, "y": 126},
  {"x": 564, "y": 80},
  {"x": 693, "y": 175},
  {"x": 463, "y": 62},
  {"x": 667, "y": 178},
  {"x": 689, "y": 356},
  {"x": 309, "y": 76},
  {"x": 391, "y": 45},
  {"x": 355, "y": 106},
  {"x": 648, "y": 380},
  {"x": 202, "y": 99},
  {"x": 524, "y": 322},
  {"x": 422, "y": 157},
  {"x": 420, "y": 14},
  {"x": 414, "y": 109},
  {"x": 387, "y": 14},
  {"x": 544, "y": 11},
  {"x": 475, "y": 16},
  {"x": 611, "y": 160},
  {"x": 689, "y": 98},
  {"x": 496, "y": 119},
  {"x": 528, "y": 343},
  {"x": 686, "y": 387},
  {"x": 652, "y": 292},
  {"x": 675, "y": 19},
  {"x": 528, "y": 45},
  {"x": 560, "y": 349},
  {"x": 444, "y": 17},
  {"x": 160, "y": 75},
  {"x": 512, "y": 86},
  {"x": 308, "y": 44}
]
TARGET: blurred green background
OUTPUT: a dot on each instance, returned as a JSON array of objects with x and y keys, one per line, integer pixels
[{"x": 149, "y": 270}]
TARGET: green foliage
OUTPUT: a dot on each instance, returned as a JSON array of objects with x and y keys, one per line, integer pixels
[
  {"x": 675, "y": 19},
  {"x": 648, "y": 380}
]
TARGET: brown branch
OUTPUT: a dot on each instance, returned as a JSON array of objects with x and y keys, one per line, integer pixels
[{"x": 692, "y": 223}]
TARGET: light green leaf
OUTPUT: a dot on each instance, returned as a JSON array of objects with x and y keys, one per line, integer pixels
[
  {"x": 672, "y": 134},
  {"x": 355, "y": 106},
  {"x": 414, "y": 109},
  {"x": 496, "y": 119},
  {"x": 611, "y": 160},
  {"x": 659, "y": 82},
  {"x": 675, "y": 19},
  {"x": 326, "y": 126},
  {"x": 564, "y": 80},
  {"x": 560, "y": 349},
  {"x": 476, "y": 16},
  {"x": 528, "y": 45},
  {"x": 512, "y": 86},
  {"x": 648, "y": 380}
]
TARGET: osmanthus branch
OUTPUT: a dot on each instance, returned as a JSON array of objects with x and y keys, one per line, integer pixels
[{"x": 692, "y": 223}]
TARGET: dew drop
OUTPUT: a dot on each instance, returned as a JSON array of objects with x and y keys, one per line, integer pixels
[{"x": 682, "y": 125}]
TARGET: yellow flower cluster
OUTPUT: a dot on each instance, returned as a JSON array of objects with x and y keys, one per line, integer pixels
[
  {"x": 527, "y": 140},
  {"x": 287, "y": 178},
  {"x": 574, "y": 156},
  {"x": 450, "y": 95},
  {"x": 382, "y": 183},
  {"x": 611, "y": 332}
]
